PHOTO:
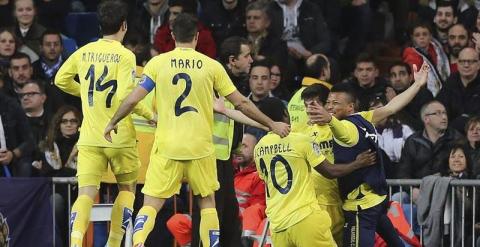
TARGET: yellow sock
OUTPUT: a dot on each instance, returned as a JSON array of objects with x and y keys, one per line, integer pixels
[
  {"x": 79, "y": 219},
  {"x": 209, "y": 227},
  {"x": 143, "y": 224},
  {"x": 121, "y": 217}
]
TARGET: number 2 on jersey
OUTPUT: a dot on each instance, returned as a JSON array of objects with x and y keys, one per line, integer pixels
[
  {"x": 99, "y": 86},
  {"x": 179, "y": 110},
  {"x": 273, "y": 163}
]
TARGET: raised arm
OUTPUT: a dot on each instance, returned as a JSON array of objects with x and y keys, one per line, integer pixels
[
  {"x": 330, "y": 171},
  {"x": 250, "y": 110},
  {"x": 237, "y": 116},
  {"x": 401, "y": 100}
]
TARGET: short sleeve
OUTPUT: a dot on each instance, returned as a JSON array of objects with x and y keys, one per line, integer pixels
[{"x": 222, "y": 83}]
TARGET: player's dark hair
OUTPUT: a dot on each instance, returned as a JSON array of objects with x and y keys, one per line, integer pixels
[
  {"x": 51, "y": 32},
  {"x": 184, "y": 28},
  {"x": 315, "y": 69},
  {"x": 314, "y": 91},
  {"x": 231, "y": 47},
  {"x": 346, "y": 89},
  {"x": 274, "y": 108},
  {"x": 111, "y": 15}
]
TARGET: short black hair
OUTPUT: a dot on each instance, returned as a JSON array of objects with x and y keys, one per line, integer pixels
[
  {"x": 418, "y": 24},
  {"x": 443, "y": 4},
  {"x": 40, "y": 84},
  {"x": 187, "y": 5},
  {"x": 111, "y": 15},
  {"x": 316, "y": 68},
  {"x": 316, "y": 90},
  {"x": 184, "y": 27},
  {"x": 366, "y": 58},
  {"x": 401, "y": 64},
  {"x": 260, "y": 63},
  {"x": 274, "y": 108},
  {"x": 51, "y": 32},
  {"x": 231, "y": 46},
  {"x": 347, "y": 89},
  {"x": 21, "y": 55}
]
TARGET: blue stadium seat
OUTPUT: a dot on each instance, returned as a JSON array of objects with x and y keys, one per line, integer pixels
[
  {"x": 69, "y": 46},
  {"x": 82, "y": 27}
]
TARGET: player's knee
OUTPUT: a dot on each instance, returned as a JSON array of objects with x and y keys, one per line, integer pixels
[
  {"x": 207, "y": 201},
  {"x": 90, "y": 191},
  {"x": 130, "y": 187}
]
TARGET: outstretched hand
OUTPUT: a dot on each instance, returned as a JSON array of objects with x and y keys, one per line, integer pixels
[
  {"x": 219, "y": 104},
  {"x": 280, "y": 128},
  {"x": 421, "y": 75},
  {"x": 108, "y": 130}
]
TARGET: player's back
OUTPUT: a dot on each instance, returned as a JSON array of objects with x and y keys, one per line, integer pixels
[
  {"x": 285, "y": 165},
  {"x": 185, "y": 81},
  {"x": 106, "y": 72}
]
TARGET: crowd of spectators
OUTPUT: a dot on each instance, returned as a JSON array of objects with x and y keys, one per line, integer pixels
[{"x": 371, "y": 45}]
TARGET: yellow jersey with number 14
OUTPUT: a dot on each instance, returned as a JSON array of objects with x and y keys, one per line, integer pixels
[
  {"x": 185, "y": 80},
  {"x": 285, "y": 164},
  {"x": 106, "y": 71}
]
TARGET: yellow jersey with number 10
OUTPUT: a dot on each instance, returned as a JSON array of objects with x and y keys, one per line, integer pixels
[{"x": 285, "y": 164}]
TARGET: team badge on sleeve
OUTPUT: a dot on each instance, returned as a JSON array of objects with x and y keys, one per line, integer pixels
[{"x": 316, "y": 148}]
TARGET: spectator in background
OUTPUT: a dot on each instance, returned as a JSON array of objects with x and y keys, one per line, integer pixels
[
  {"x": 301, "y": 25},
  {"x": 259, "y": 82},
  {"x": 426, "y": 48},
  {"x": 392, "y": 134},
  {"x": 277, "y": 82},
  {"x": 225, "y": 18},
  {"x": 264, "y": 43},
  {"x": 9, "y": 44},
  {"x": 27, "y": 28},
  {"x": 20, "y": 72},
  {"x": 401, "y": 78},
  {"x": 6, "y": 13},
  {"x": 16, "y": 156},
  {"x": 366, "y": 82},
  {"x": 47, "y": 66},
  {"x": 472, "y": 128},
  {"x": 425, "y": 151},
  {"x": 459, "y": 166},
  {"x": 457, "y": 40},
  {"x": 164, "y": 41},
  {"x": 461, "y": 94},
  {"x": 445, "y": 17},
  {"x": 32, "y": 98},
  {"x": 148, "y": 18}
]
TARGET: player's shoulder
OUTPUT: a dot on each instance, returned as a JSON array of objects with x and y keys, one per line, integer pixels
[{"x": 298, "y": 136}]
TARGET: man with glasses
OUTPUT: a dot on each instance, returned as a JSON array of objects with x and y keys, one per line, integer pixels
[
  {"x": 461, "y": 94},
  {"x": 425, "y": 151},
  {"x": 32, "y": 98}
]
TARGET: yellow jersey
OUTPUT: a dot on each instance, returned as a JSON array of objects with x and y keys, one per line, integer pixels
[
  {"x": 369, "y": 198},
  {"x": 285, "y": 164},
  {"x": 326, "y": 189},
  {"x": 185, "y": 81},
  {"x": 106, "y": 72}
]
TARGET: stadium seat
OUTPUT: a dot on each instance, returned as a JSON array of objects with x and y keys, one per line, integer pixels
[
  {"x": 69, "y": 46},
  {"x": 82, "y": 27}
]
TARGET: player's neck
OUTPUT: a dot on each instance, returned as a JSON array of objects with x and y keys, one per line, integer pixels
[
  {"x": 185, "y": 45},
  {"x": 117, "y": 37}
]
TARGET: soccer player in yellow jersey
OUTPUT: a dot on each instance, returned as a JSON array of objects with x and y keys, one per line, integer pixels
[
  {"x": 285, "y": 164},
  {"x": 183, "y": 148},
  {"x": 363, "y": 191},
  {"x": 106, "y": 72}
]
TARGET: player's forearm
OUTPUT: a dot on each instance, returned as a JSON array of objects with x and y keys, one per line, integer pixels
[
  {"x": 401, "y": 100},
  {"x": 68, "y": 85},
  {"x": 250, "y": 110},
  {"x": 238, "y": 116},
  {"x": 338, "y": 170},
  {"x": 125, "y": 108},
  {"x": 340, "y": 132}
]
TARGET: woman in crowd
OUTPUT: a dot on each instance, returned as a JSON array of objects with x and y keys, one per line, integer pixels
[{"x": 472, "y": 128}]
